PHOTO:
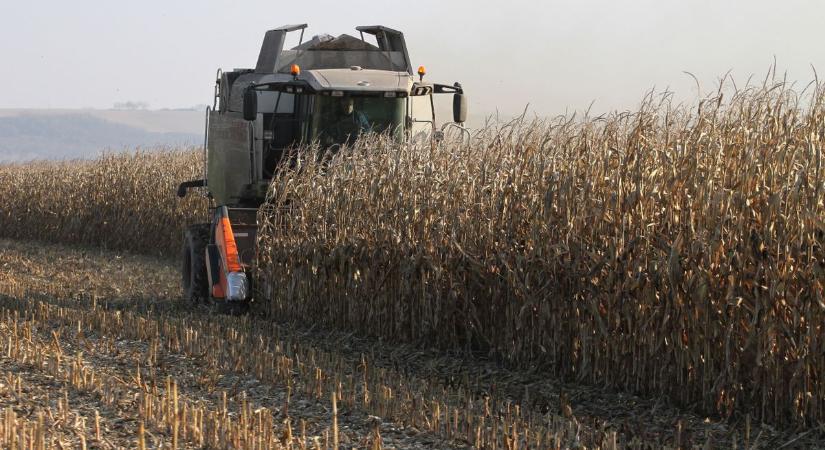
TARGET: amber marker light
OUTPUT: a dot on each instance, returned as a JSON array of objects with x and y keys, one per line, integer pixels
[
  {"x": 421, "y": 72},
  {"x": 295, "y": 70}
]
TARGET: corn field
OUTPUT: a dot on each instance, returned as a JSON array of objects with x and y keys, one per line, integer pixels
[
  {"x": 122, "y": 201},
  {"x": 670, "y": 252},
  {"x": 674, "y": 251}
]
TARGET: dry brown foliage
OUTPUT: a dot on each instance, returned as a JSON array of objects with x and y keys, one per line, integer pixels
[
  {"x": 672, "y": 251},
  {"x": 123, "y": 201}
]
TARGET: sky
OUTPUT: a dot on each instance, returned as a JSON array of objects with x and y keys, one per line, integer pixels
[{"x": 556, "y": 56}]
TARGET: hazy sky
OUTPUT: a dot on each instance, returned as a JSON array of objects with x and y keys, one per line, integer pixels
[{"x": 553, "y": 55}]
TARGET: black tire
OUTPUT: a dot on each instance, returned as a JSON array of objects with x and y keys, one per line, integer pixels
[
  {"x": 237, "y": 308},
  {"x": 194, "y": 278}
]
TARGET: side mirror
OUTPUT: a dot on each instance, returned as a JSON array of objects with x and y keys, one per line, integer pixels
[
  {"x": 250, "y": 104},
  {"x": 459, "y": 108}
]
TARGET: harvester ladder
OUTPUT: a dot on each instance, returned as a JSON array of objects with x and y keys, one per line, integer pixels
[{"x": 217, "y": 89}]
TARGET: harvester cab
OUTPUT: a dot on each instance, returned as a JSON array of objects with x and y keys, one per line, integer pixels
[{"x": 325, "y": 91}]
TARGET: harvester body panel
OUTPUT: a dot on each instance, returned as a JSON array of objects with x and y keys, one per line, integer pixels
[{"x": 228, "y": 154}]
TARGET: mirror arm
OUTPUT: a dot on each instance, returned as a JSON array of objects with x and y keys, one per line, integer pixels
[
  {"x": 447, "y": 89},
  {"x": 432, "y": 108}
]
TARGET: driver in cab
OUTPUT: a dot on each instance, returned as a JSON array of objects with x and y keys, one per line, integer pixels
[{"x": 346, "y": 123}]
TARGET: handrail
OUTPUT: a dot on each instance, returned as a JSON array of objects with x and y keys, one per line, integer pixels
[
  {"x": 205, "y": 143},
  {"x": 217, "y": 89}
]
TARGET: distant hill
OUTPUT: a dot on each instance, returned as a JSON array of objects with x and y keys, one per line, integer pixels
[{"x": 70, "y": 134}]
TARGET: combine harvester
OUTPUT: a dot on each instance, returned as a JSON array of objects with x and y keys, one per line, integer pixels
[{"x": 325, "y": 91}]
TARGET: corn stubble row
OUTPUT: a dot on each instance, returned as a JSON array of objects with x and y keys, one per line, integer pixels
[
  {"x": 35, "y": 332},
  {"x": 183, "y": 420},
  {"x": 121, "y": 201},
  {"x": 672, "y": 251}
]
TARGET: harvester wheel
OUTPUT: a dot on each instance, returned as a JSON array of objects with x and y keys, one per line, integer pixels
[
  {"x": 195, "y": 283},
  {"x": 232, "y": 308}
]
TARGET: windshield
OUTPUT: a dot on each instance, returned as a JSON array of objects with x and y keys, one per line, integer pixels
[{"x": 336, "y": 120}]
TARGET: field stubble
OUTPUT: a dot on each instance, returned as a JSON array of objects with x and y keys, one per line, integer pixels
[{"x": 88, "y": 364}]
